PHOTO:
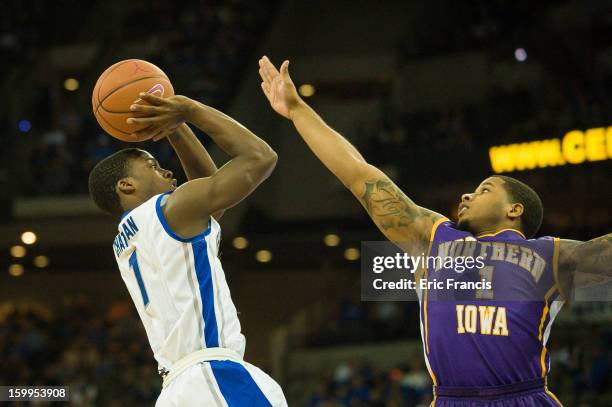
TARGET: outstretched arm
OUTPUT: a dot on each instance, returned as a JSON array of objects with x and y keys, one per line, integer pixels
[
  {"x": 584, "y": 264},
  {"x": 396, "y": 215},
  {"x": 190, "y": 206}
]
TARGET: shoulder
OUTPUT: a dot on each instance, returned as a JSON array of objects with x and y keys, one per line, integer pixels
[
  {"x": 194, "y": 232},
  {"x": 444, "y": 229}
]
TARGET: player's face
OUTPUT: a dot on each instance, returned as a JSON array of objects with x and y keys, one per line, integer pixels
[
  {"x": 484, "y": 208},
  {"x": 150, "y": 178}
]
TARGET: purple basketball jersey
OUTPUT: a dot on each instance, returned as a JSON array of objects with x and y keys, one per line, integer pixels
[{"x": 489, "y": 335}]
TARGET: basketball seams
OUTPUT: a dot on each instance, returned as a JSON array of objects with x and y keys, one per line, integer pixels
[
  {"x": 112, "y": 111},
  {"x": 108, "y": 71},
  {"x": 165, "y": 83},
  {"x": 100, "y": 116},
  {"x": 111, "y": 126},
  {"x": 101, "y": 101},
  {"x": 105, "y": 75}
]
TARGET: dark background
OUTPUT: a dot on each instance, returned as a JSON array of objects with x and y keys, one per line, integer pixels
[{"x": 422, "y": 88}]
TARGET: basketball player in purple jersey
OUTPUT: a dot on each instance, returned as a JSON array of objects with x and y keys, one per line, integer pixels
[{"x": 485, "y": 346}]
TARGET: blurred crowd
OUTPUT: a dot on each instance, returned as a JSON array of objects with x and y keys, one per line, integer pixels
[
  {"x": 352, "y": 321},
  {"x": 574, "y": 91},
  {"x": 21, "y": 43},
  {"x": 581, "y": 365},
  {"x": 353, "y": 384},
  {"x": 466, "y": 132},
  {"x": 202, "y": 46},
  {"x": 505, "y": 116},
  {"x": 104, "y": 357}
]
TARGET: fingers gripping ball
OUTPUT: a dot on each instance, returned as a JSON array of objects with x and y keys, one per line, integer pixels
[{"x": 118, "y": 88}]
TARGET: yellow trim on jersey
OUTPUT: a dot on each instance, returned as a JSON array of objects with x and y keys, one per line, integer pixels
[
  {"x": 432, "y": 234},
  {"x": 551, "y": 394},
  {"x": 543, "y": 361},
  {"x": 556, "y": 247},
  {"x": 435, "y": 396},
  {"x": 433, "y": 378},
  {"x": 544, "y": 313},
  {"x": 500, "y": 231}
]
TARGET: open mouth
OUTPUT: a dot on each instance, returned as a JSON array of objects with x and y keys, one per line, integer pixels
[
  {"x": 462, "y": 209},
  {"x": 173, "y": 182}
]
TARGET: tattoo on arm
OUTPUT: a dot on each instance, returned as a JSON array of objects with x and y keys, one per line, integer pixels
[
  {"x": 390, "y": 208},
  {"x": 589, "y": 262},
  {"x": 603, "y": 239},
  {"x": 595, "y": 256}
]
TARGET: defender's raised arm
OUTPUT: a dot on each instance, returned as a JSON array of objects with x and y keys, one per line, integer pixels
[{"x": 396, "y": 215}]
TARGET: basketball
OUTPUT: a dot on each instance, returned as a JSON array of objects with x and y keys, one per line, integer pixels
[{"x": 118, "y": 87}]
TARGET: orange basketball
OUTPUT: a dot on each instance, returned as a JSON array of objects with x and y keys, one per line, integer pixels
[{"x": 118, "y": 88}]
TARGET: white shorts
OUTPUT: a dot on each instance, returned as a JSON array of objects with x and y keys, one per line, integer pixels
[{"x": 222, "y": 384}]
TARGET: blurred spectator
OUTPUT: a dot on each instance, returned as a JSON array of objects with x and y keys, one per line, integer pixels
[
  {"x": 104, "y": 359},
  {"x": 361, "y": 385},
  {"x": 580, "y": 376},
  {"x": 202, "y": 46}
]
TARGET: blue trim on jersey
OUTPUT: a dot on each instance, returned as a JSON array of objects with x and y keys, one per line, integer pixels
[
  {"x": 124, "y": 214},
  {"x": 207, "y": 295},
  {"x": 237, "y": 386},
  {"x": 162, "y": 220}
]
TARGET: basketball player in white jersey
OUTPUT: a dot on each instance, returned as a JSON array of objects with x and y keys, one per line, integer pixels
[{"x": 167, "y": 251}]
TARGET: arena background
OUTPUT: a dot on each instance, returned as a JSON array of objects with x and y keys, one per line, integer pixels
[{"x": 422, "y": 88}]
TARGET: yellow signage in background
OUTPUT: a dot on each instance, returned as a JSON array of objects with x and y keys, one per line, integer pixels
[{"x": 575, "y": 147}]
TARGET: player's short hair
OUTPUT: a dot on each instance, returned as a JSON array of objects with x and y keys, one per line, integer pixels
[
  {"x": 533, "y": 212},
  {"x": 104, "y": 176}
]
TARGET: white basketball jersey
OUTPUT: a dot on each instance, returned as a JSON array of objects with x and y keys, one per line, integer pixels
[{"x": 177, "y": 285}]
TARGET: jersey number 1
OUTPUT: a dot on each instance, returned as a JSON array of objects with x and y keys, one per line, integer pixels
[
  {"x": 136, "y": 268},
  {"x": 486, "y": 274}
]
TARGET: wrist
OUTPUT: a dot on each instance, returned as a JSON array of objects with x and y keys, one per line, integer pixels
[
  {"x": 174, "y": 137},
  {"x": 191, "y": 109},
  {"x": 298, "y": 109},
  {"x": 179, "y": 132}
]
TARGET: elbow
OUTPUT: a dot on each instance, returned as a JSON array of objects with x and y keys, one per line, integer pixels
[
  {"x": 266, "y": 157},
  {"x": 261, "y": 165},
  {"x": 272, "y": 158}
]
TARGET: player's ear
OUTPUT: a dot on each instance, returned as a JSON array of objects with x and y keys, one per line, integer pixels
[
  {"x": 516, "y": 210},
  {"x": 126, "y": 186}
]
